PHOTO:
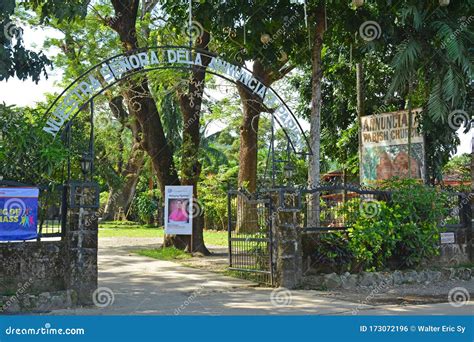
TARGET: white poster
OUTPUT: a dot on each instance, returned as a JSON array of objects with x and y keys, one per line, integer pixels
[{"x": 178, "y": 206}]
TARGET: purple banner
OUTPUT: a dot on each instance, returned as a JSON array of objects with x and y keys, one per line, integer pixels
[{"x": 18, "y": 214}]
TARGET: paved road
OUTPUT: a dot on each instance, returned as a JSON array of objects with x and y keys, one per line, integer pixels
[{"x": 145, "y": 286}]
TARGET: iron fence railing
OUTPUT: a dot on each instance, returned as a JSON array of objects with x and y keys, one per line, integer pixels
[{"x": 250, "y": 237}]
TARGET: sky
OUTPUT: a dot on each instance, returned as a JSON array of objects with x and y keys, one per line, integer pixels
[{"x": 27, "y": 93}]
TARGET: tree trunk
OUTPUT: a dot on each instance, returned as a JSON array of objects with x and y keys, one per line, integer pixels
[
  {"x": 190, "y": 104},
  {"x": 360, "y": 108},
  {"x": 122, "y": 198},
  {"x": 247, "y": 218},
  {"x": 141, "y": 104},
  {"x": 315, "y": 120}
]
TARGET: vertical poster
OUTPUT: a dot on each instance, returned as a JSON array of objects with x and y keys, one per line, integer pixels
[
  {"x": 385, "y": 147},
  {"x": 18, "y": 214},
  {"x": 178, "y": 206}
]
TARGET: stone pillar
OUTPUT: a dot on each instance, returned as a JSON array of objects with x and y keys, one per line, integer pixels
[
  {"x": 81, "y": 244},
  {"x": 288, "y": 246}
]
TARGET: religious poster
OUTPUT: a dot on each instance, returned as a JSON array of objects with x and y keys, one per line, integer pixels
[
  {"x": 384, "y": 149},
  {"x": 178, "y": 209},
  {"x": 18, "y": 214}
]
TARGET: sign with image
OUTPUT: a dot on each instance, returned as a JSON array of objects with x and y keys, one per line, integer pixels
[
  {"x": 385, "y": 147},
  {"x": 18, "y": 214},
  {"x": 178, "y": 209}
]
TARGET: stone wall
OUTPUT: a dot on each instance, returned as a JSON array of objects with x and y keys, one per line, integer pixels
[
  {"x": 53, "y": 274},
  {"x": 38, "y": 266},
  {"x": 374, "y": 279}
]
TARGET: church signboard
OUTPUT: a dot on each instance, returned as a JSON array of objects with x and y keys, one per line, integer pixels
[{"x": 385, "y": 149}]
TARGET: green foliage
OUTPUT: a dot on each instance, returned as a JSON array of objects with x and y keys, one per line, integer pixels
[
  {"x": 213, "y": 196},
  {"x": 15, "y": 59},
  {"x": 400, "y": 233},
  {"x": 146, "y": 207},
  {"x": 332, "y": 252},
  {"x": 372, "y": 239},
  {"x": 459, "y": 166},
  {"x": 27, "y": 154}
]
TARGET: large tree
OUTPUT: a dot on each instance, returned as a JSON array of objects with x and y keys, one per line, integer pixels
[{"x": 144, "y": 108}]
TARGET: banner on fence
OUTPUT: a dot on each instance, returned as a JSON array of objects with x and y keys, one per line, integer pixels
[
  {"x": 18, "y": 213},
  {"x": 178, "y": 209},
  {"x": 385, "y": 151}
]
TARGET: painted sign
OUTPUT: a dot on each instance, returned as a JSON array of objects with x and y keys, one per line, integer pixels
[
  {"x": 178, "y": 209},
  {"x": 18, "y": 214},
  {"x": 447, "y": 238},
  {"x": 116, "y": 68},
  {"x": 385, "y": 147}
]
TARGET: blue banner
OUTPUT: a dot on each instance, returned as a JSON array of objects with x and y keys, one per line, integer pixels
[
  {"x": 18, "y": 214},
  {"x": 237, "y": 328}
]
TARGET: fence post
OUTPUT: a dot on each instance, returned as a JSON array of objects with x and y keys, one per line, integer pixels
[
  {"x": 82, "y": 243},
  {"x": 288, "y": 244},
  {"x": 467, "y": 209}
]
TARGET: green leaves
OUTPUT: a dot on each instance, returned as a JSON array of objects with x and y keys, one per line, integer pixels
[
  {"x": 403, "y": 233},
  {"x": 27, "y": 154}
]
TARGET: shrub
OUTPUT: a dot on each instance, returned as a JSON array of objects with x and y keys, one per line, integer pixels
[
  {"x": 396, "y": 234},
  {"x": 331, "y": 252},
  {"x": 146, "y": 207}
]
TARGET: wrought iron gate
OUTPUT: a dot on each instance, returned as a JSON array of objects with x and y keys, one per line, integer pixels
[{"x": 251, "y": 243}]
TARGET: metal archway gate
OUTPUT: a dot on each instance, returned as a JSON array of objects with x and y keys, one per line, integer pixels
[
  {"x": 97, "y": 79},
  {"x": 250, "y": 252}
]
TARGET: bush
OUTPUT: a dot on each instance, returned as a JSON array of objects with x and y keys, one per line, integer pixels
[
  {"x": 146, "y": 207},
  {"x": 331, "y": 252},
  {"x": 396, "y": 234},
  {"x": 213, "y": 196}
]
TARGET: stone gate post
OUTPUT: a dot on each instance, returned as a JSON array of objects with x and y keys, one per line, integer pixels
[
  {"x": 287, "y": 240},
  {"x": 82, "y": 241}
]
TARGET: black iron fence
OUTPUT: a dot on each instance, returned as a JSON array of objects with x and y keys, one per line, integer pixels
[
  {"x": 52, "y": 207},
  {"x": 251, "y": 247},
  {"x": 323, "y": 209},
  {"x": 326, "y": 208}
]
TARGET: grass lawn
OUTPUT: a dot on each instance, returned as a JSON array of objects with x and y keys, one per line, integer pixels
[
  {"x": 134, "y": 229},
  {"x": 168, "y": 253}
]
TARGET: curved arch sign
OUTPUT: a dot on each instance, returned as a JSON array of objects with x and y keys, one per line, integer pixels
[{"x": 117, "y": 68}]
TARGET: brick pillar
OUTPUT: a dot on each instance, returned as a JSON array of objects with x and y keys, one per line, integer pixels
[
  {"x": 288, "y": 246},
  {"x": 81, "y": 242}
]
